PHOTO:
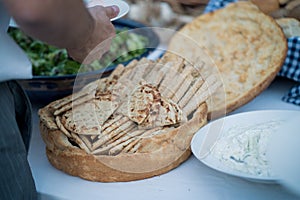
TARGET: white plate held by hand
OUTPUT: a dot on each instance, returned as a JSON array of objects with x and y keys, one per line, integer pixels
[{"x": 123, "y": 6}]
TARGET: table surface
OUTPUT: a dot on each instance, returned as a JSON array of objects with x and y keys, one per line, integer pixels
[{"x": 191, "y": 180}]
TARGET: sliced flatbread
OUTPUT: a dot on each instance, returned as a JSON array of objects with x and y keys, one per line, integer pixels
[
  {"x": 88, "y": 118},
  {"x": 129, "y": 130},
  {"x": 141, "y": 101}
]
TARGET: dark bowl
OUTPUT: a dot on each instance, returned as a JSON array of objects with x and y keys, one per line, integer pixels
[{"x": 45, "y": 89}]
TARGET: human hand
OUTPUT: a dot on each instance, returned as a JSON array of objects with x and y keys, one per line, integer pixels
[{"x": 99, "y": 40}]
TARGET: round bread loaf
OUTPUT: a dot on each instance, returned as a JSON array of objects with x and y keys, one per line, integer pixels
[
  {"x": 247, "y": 46},
  {"x": 134, "y": 124}
]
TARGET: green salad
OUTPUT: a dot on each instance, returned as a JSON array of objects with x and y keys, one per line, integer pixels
[{"x": 48, "y": 60}]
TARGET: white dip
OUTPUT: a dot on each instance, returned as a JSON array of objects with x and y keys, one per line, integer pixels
[{"x": 243, "y": 148}]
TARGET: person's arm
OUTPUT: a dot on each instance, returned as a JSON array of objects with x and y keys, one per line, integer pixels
[{"x": 64, "y": 23}]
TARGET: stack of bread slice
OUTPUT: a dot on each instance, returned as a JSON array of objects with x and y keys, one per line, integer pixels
[{"x": 134, "y": 124}]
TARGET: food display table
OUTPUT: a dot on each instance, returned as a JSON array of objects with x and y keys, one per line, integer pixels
[{"x": 192, "y": 180}]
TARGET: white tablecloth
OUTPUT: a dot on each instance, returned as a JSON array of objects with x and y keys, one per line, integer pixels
[{"x": 191, "y": 181}]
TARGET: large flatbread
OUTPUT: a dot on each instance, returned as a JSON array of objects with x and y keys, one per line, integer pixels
[
  {"x": 133, "y": 128},
  {"x": 247, "y": 46}
]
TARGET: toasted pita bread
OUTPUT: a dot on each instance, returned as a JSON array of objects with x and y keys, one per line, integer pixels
[
  {"x": 88, "y": 118},
  {"x": 141, "y": 101}
]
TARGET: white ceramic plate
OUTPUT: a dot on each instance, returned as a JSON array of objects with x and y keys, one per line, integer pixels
[
  {"x": 123, "y": 6},
  {"x": 284, "y": 155},
  {"x": 203, "y": 140}
]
